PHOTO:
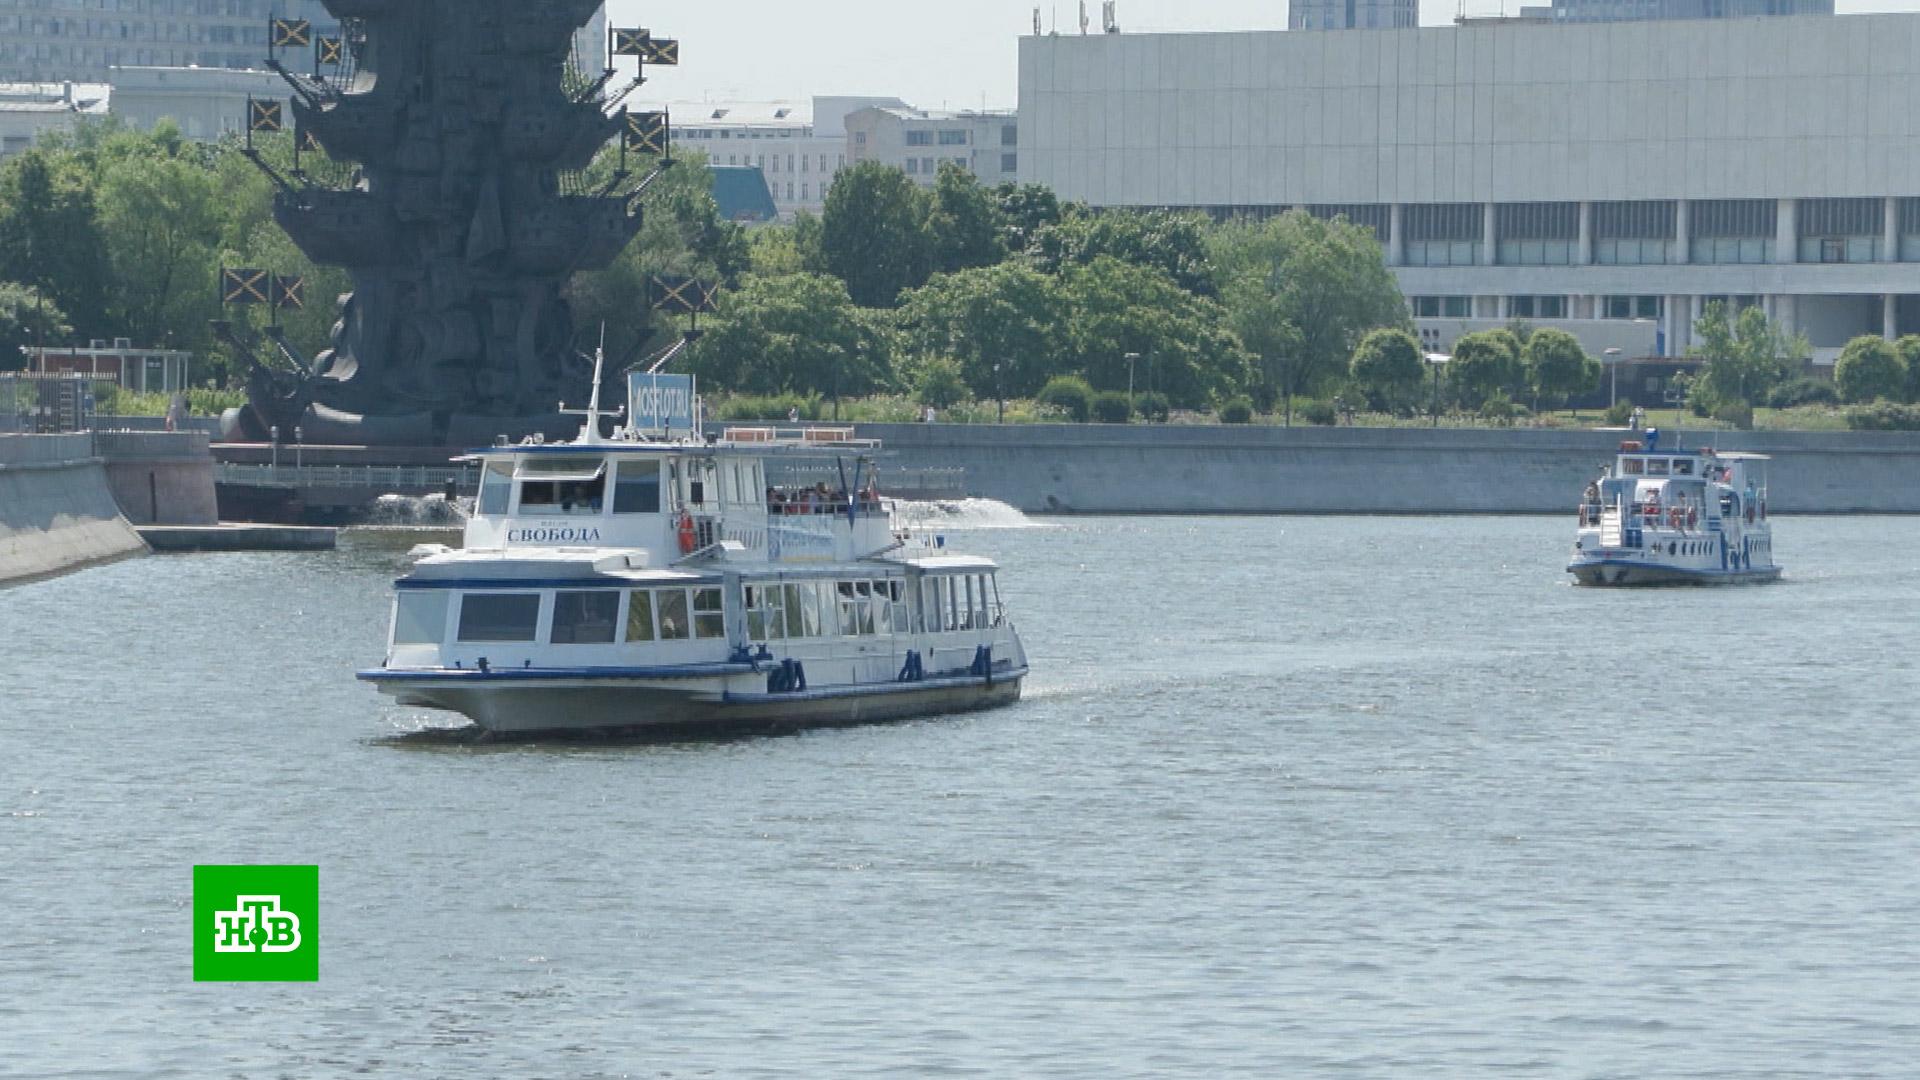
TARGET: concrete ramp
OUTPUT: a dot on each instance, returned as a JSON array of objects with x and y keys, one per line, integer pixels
[{"x": 57, "y": 512}]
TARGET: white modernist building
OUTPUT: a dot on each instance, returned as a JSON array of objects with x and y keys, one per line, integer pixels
[
  {"x": 799, "y": 147},
  {"x": 1576, "y": 171},
  {"x": 28, "y": 109}
]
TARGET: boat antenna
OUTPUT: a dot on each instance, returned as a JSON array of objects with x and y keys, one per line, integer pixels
[{"x": 590, "y": 431}]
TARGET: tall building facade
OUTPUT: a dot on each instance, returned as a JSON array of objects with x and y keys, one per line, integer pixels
[
  {"x": 1588, "y": 172},
  {"x": 52, "y": 40},
  {"x": 1352, "y": 14},
  {"x": 1627, "y": 10}
]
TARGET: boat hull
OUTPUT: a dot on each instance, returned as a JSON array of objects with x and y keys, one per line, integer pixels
[
  {"x": 1629, "y": 573},
  {"x": 523, "y": 707}
]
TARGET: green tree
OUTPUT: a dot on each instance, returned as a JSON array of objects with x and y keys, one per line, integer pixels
[
  {"x": 1173, "y": 242},
  {"x": 874, "y": 234},
  {"x": 1485, "y": 363},
  {"x": 161, "y": 217},
  {"x": 938, "y": 381},
  {"x": 796, "y": 333},
  {"x": 1909, "y": 349},
  {"x": 1004, "y": 315},
  {"x": 1183, "y": 349},
  {"x": 27, "y": 319},
  {"x": 1870, "y": 369},
  {"x": 1026, "y": 209},
  {"x": 1301, "y": 292},
  {"x": 681, "y": 234},
  {"x": 1557, "y": 366},
  {"x": 964, "y": 223},
  {"x": 1745, "y": 356},
  {"x": 50, "y": 235},
  {"x": 1389, "y": 364}
]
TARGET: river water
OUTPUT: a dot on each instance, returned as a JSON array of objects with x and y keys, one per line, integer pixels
[{"x": 1288, "y": 797}]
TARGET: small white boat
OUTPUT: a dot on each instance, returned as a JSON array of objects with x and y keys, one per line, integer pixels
[
  {"x": 634, "y": 583},
  {"x": 1676, "y": 517}
]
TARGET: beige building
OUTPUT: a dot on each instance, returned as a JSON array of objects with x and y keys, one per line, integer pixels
[{"x": 918, "y": 142}]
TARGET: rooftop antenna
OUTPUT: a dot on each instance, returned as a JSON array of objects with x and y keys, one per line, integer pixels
[
  {"x": 1037, "y": 31},
  {"x": 590, "y": 431},
  {"x": 1084, "y": 21}
]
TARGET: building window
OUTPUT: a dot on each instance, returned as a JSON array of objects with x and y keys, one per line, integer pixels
[
  {"x": 1010, "y": 135},
  {"x": 1537, "y": 307},
  {"x": 1441, "y": 307},
  {"x": 1537, "y": 234},
  {"x": 1374, "y": 216},
  {"x": 1633, "y": 233},
  {"x": 1009, "y": 163},
  {"x": 919, "y": 138},
  {"x": 953, "y": 138},
  {"x": 1732, "y": 230},
  {"x": 1630, "y": 307},
  {"x": 1443, "y": 234},
  {"x": 1840, "y": 230},
  {"x": 913, "y": 166}
]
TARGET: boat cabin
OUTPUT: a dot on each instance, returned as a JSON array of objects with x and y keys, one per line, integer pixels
[{"x": 683, "y": 502}]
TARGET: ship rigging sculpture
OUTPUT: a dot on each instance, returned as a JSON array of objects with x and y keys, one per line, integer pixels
[{"x": 470, "y": 126}]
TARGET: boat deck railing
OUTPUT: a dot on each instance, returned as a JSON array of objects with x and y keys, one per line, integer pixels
[{"x": 389, "y": 477}]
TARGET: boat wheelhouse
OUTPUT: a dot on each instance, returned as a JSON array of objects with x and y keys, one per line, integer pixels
[
  {"x": 611, "y": 584},
  {"x": 1676, "y": 517}
]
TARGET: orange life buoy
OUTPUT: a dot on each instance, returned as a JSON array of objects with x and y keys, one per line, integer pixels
[{"x": 686, "y": 533}]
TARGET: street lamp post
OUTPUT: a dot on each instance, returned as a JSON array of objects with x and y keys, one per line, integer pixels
[
  {"x": 1436, "y": 361},
  {"x": 1131, "y": 357},
  {"x": 1613, "y": 361},
  {"x": 999, "y": 399}
]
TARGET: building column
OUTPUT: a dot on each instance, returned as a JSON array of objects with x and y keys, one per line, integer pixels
[
  {"x": 1397, "y": 235},
  {"x": 1786, "y": 232},
  {"x": 1889, "y": 316},
  {"x": 1784, "y": 313},
  {"x": 1584, "y": 255},
  {"x": 1489, "y": 238},
  {"x": 1682, "y": 232},
  {"x": 1890, "y": 230},
  {"x": 1503, "y": 307}
]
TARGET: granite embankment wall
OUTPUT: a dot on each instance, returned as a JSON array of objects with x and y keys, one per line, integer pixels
[
  {"x": 57, "y": 512},
  {"x": 160, "y": 478},
  {"x": 1311, "y": 470}
]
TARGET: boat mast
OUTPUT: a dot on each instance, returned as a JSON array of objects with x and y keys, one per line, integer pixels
[{"x": 590, "y": 431}]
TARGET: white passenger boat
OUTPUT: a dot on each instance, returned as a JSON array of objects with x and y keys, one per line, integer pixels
[
  {"x": 1676, "y": 517},
  {"x": 634, "y": 583}
]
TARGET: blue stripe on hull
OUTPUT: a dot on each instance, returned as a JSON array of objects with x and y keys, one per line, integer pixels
[
  {"x": 1631, "y": 572},
  {"x": 521, "y": 675}
]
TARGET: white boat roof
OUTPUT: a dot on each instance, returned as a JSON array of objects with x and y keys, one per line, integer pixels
[{"x": 750, "y": 440}]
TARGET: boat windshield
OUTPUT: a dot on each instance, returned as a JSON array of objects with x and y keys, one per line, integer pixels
[{"x": 562, "y": 485}]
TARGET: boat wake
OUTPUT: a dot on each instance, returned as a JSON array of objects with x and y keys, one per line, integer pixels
[{"x": 963, "y": 514}]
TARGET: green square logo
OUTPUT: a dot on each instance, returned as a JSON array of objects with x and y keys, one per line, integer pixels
[{"x": 256, "y": 924}]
